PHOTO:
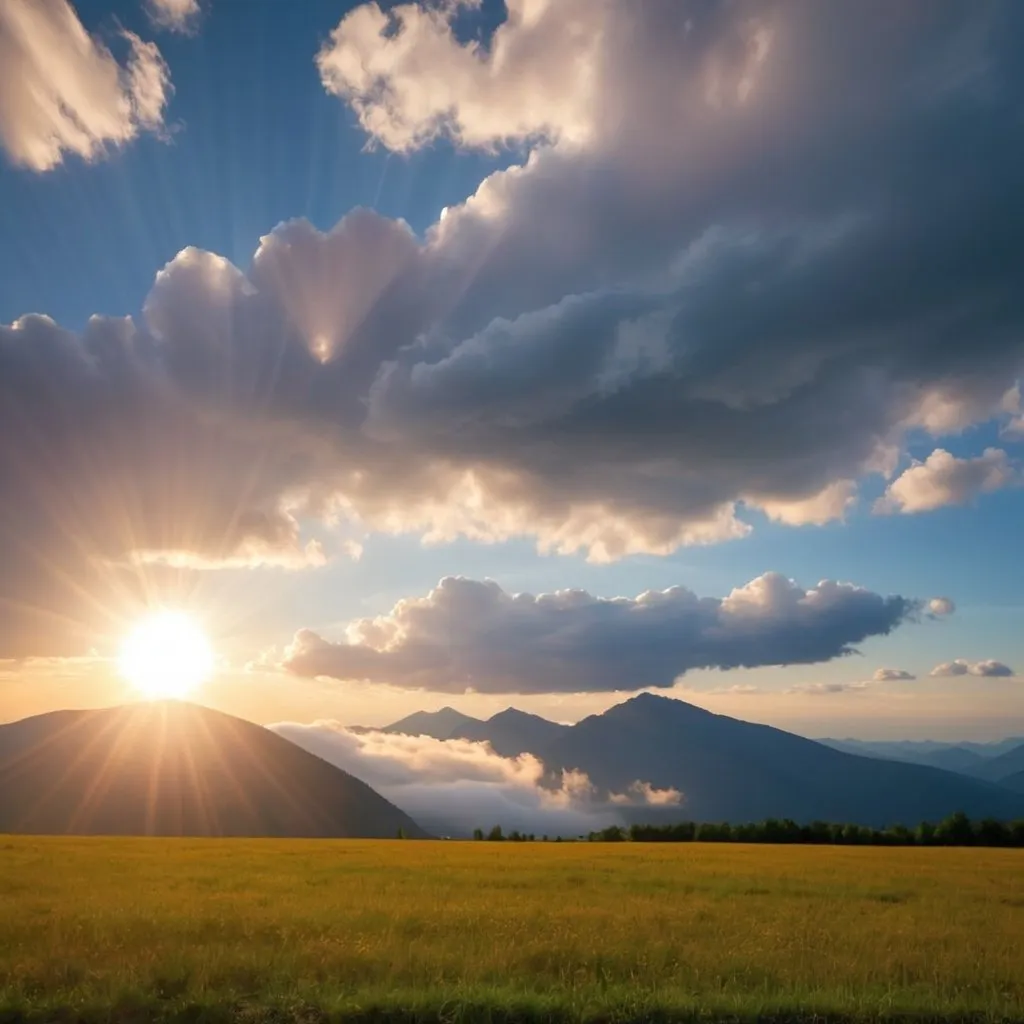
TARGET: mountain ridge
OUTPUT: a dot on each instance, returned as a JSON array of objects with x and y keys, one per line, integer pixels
[{"x": 729, "y": 769}]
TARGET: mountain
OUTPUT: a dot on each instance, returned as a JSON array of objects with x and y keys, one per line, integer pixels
[
  {"x": 729, "y": 770},
  {"x": 965, "y": 756},
  {"x": 957, "y": 759},
  {"x": 512, "y": 732},
  {"x": 1014, "y": 782},
  {"x": 442, "y": 725},
  {"x": 177, "y": 769},
  {"x": 1003, "y": 767}
]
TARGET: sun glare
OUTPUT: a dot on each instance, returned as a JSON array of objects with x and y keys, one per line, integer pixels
[{"x": 166, "y": 656}]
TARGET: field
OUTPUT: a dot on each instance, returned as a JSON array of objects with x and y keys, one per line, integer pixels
[{"x": 196, "y": 930}]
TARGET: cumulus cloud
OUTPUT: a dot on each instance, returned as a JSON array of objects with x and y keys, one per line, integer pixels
[
  {"x": 961, "y": 667},
  {"x": 736, "y": 690},
  {"x": 724, "y": 282},
  {"x": 62, "y": 91},
  {"x": 115, "y": 488},
  {"x": 410, "y": 80},
  {"x": 939, "y": 607},
  {"x": 942, "y": 479},
  {"x": 879, "y": 676},
  {"x": 173, "y": 15},
  {"x": 888, "y": 675},
  {"x": 827, "y": 689},
  {"x": 467, "y": 634},
  {"x": 454, "y": 786}
]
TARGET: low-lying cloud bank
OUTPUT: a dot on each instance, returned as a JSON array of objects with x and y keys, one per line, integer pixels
[
  {"x": 467, "y": 634},
  {"x": 454, "y": 786}
]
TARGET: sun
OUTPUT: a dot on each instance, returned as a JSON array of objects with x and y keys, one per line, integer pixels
[{"x": 166, "y": 656}]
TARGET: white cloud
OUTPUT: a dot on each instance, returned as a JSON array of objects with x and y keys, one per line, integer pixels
[
  {"x": 888, "y": 675},
  {"x": 827, "y": 689},
  {"x": 942, "y": 479},
  {"x": 468, "y": 634},
  {"x": 410, "y": 81},
  {"x": 173, "y": 15},
  {"x": 962, "y": 667},
  {"x": 62, "y": 91},
  {"x": 456, "y": 785},
  {"x": 941, "y": 607},
  {"x": 736, "y": 690}
]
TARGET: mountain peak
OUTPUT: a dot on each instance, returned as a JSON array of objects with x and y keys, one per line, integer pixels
[
  {"x": 656, "y": 702},
  {"x": 511, "y": 714},
  {"x": 442, "y": 724}
]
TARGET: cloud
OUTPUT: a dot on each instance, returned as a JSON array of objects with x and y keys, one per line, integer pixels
[
  {"x": 173, "y": 15},
  {"x": 454, "y": 786},
  {"x": 961, "y": 667},
  {"x": 410, "y": 81},
  {"x": 942, "y": 479},
  {"x": 677, "y": 315},
  {"x": 940, "y": 607},
  {"x": 827, "y": 689},
  {"x": 62, "y": 91},
  {"x": 467, "y": 634},
  {"x": 888, "y": 675},
  {"x": 880, "y": 675},
  {"x": 115, "y": 487}
]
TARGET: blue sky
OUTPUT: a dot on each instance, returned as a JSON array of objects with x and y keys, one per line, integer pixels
[{"x": 252, "y": 137}]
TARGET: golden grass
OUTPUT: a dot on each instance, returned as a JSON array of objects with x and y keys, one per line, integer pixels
[{"x": 143, "y": 929}]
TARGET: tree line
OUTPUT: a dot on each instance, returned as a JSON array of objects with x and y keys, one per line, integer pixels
[{"x": 956, "y": 830}]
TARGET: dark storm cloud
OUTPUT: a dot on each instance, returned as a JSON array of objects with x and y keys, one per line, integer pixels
[
  {"x": 466, "y": 634},
  {"x": 751, "y": 249}
]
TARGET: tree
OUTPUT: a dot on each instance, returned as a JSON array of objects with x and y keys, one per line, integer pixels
[
  {"x": 956, "y": 830},
  {"x": 496, "y": 835},
  {"x": 925, "y": 833},
  {"x": 478, "y": 834},
  {"x": 993, "y": 833}
]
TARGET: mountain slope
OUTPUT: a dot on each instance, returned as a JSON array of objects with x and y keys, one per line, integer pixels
[
  {"x": 442, "y": 725},
  {"x": 512, "y": 732},
  {"x": 965, "y": 757},
  {"x": 730, "y": 770},
  {"x": 1003, "y": 767},
  {"x": 1014, "y": 782},
  {"x": 177, "y": 769}
]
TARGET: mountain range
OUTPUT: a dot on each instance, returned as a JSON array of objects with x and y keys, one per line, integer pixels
[
  {"x": 727, "y": 769},
  {"x": 510, "y": 732},
  {"x": 1002, "y": 761},
  {"x": 178, "y": 769},
  {"x": 171, "y": 768}
]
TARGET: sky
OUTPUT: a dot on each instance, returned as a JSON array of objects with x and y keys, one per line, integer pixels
[{"x": 529, "y": 353}]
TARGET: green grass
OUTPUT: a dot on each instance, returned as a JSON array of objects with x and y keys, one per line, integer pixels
[{"x": 208, "y": 930}]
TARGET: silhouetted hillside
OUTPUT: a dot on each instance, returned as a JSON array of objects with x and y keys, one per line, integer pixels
[
  {"x": 729, "y": 770},
  {"x": 177, "y": 769},
  {"x": 512, "y": 732}
]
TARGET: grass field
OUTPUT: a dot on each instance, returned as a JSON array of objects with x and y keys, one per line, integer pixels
[{"x": 194, "y": 930}]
